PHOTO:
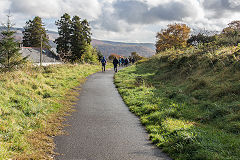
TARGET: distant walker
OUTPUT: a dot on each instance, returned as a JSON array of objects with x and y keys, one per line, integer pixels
[
  {"x": 115, "y": 64},
  {"x": 104, "y": 62}
]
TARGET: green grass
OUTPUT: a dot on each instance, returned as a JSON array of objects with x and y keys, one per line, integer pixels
[
  {"x": 33, "y": 102},
  {"x": 189, "y": 102}
]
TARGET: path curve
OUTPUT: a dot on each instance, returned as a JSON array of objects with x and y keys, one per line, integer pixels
[{"x": 103, "y": 128}]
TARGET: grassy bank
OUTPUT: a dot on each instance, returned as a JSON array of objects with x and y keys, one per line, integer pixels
[
  {"x": 188, "y": 100},
  {"x": 33, "y": 102}
]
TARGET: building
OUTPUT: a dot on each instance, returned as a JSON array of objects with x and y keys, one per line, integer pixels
[{"x": 48, "y": 56}]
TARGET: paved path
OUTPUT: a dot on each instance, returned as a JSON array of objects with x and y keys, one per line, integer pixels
[{"x": 103, "y": 128}]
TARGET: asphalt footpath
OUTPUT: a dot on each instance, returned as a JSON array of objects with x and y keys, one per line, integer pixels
[{"x": 102, "y": 128}]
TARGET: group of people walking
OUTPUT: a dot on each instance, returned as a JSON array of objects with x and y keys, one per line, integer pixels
[
  {"x": 121, "y": 62},
  {"x": 126, "y": 61}
]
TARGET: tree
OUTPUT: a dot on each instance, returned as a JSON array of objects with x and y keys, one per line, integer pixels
[
  {"x": 200, "y": 38},
  {"x": 77, "y": 41},
  {"x": 34, "y": 32},
  {"x": 176, "y": 35},
  {"x": 230, "y": 35},
  {"x": 9, "y": 49},
  {"x": 90, "y": 55},
  {"x": 80, "y": 37},
  {"x": 64, "y": 40},
  {"x": 100, "y": 55},
  {"x": 136, "y": 56},
  {"x": 74, "y": 38},
  {"x": 233, "y": 29},
  {"x": 86, "y": 31},
  {"x": 113, "y": 55}
]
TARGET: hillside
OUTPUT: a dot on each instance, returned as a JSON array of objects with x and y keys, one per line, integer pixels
[
  {"x": 125, "y": 49},
  {"x": 189, "y": 101},
  {"x": 106, "y": 47}
]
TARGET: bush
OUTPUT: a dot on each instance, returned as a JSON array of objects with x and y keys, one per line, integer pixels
[{"x": 90, "y": 55}]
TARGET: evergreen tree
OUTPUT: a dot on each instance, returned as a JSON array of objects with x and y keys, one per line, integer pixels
[
  {"x": 34, "y": 32},
  {"x": 27, "y": 34},
  {"x": 74, "y": 37},
  {"x": 9, "y": 49},
  {"x": 81, "y": 37},
  {"x": 78, "y": 43},
  {"x": 86, "y": 31},
  {"x": 64, "y": 40}
]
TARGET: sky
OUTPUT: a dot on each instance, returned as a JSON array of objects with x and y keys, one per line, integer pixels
[{"x": 126, "y": 20}]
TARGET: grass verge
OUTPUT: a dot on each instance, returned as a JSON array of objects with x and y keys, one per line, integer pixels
[
  {"x": 33, "y": 103},
  {"x": 189, "y": 102}
]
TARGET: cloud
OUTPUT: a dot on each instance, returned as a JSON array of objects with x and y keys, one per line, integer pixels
[
  {"x": 127, "y": 15},
  {"x": 90, "y": 9},
  {"x": 222, "y": 5},
  {"x": 55, "y": 8},
  {"x": 141, "y": 12},
  {"x": 4, "y": 5},
  {"x": 137, "y": 35},
  {"x": 221, "y": 8},
  {"x": 43, "y": 8},
  {"x": 109, "y": 21},
  {"x": 131, "y": 11}
]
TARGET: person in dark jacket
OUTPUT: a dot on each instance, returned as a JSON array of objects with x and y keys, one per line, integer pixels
[
  {"x": 126, "y": 62},
  {"x": 115, "y": 64},
  {"x": 133, "y": 60},
  {"x": 119, "y": 61},
  {"x": 122, "y": 61},
  {"x": 104, "y": 62}
]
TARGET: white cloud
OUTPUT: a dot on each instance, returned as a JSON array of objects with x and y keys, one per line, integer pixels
[
  {"x": 43, "y": 8},
  {"x": 89, "y": 9},
  {"x": 135, "y": 36},
  {"x": 55, "y": 8},
  {"x": 140, "y": 12},
  {"x": 234, "y": 3},
  {"x": 4, "y": 8}
]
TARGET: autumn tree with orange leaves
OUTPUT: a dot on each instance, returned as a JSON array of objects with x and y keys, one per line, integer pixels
[
  {"x": 113, "y": 55},
  {"x": 176, "y": 35}
]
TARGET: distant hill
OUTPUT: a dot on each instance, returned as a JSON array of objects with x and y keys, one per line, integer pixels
[
  {"x": 125, "y": 49},
  {"x": 106, "y": 47}
]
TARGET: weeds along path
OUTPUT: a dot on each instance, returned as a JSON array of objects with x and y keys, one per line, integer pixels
[{"x": 102, "y": 127}]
